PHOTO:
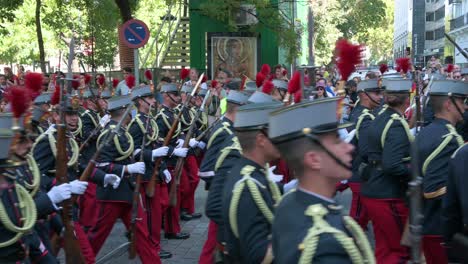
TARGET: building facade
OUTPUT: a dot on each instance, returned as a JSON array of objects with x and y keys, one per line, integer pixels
[{"x": 459, "y": 29}]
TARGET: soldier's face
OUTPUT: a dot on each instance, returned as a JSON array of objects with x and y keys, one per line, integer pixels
[
  {"x": 460, "y": 104},
  {"x": 341, "y": 150},
  {"x": 71, "y": 119},
  {"x": 23, "y": 147},
  {"x": 376, "y": 98},
  {"x": 102, "y": 103}
]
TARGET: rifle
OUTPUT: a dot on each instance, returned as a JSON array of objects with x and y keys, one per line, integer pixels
[
  {"x": 136, "y": 195},
  {"x": 167, "y": 140},
  {"x": 415, "y": 193},
  {"x": 462, "y": 51},
  {"x": 181, "y": 161},
  {"x": 95, "y": 131},
  {"x": 208, "y": 130},
  {"x": 71, "y": 244}
]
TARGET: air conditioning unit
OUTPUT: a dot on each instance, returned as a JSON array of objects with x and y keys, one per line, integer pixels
[{"x": 246, "y": 15}]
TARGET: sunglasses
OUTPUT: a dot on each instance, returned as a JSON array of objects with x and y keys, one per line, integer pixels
[{"x": 320, "y": 88}]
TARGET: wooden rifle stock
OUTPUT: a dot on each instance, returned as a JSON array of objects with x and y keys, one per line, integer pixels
[{"x": 157, "y": 163}]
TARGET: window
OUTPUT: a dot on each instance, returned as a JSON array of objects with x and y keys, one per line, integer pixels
[
  {"x": 440, "y": 13},
  {"x": 430, "y": 16},
  {"x": 439, "y": 33},
  {"x": 429, "y": 35}
]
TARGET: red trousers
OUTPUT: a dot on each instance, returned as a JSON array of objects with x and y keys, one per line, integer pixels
[
  {"x": 109, "y": 212},
  {"x": 85, "y": 246},
  {"x": 172, "y": 213},
  {"x": 358, "y": 211},
  {"x": 209, "y": 248},
  {"x": 388, "y": 218},
  {"x": 187, "y": 192},
  {"x": 153, "y": 213},
  {"x": 434, "y": 252},
  {"x": 87, "y": 206}
]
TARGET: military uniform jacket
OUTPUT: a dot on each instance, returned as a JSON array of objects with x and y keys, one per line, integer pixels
[
  {"x": 355, "y": 141},
  {"x": 435, "y": 145},
  {"x": 112, "y": 160},
  {"x": 222, "y": 132},
  {"x": 291, "y": 226},
  {"x": 229, "y": 158},
  {"x": 90, "y": 120},
  {"x": 164, "y": 120},
  {"x": 253, "y": 228},
  {"x": 455, "y": 202},
  {"x": 137, "y": 131},
  {"x": 388, "y": 153}
]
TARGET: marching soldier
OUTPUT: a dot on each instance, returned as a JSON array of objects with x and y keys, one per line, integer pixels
[
  {"x": 249, "y": 195},
  {"x": 369, "y": 92},
  {"x": 40, "y": 112},
  {"x": 115, "y": 198},
  {"x": 386, "y": 174},
  {"x": 164, "y": 120},
  {"x": 144, "y": 125},
  {"x": 436, "y": 143},
  {"x": 318, "y": 232}
]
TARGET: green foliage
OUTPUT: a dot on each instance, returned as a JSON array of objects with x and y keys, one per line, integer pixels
[
  {"x": 8, "y": 8},
  {"x": 268, "y": 15}
]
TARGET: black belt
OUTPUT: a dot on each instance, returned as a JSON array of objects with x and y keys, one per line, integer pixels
[{"x": 375, "y": 164}]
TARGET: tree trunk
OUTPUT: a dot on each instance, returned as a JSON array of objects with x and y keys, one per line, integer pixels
[
  {"x": 39, "y": 36},
  {"x": 311, "y": 28},
  {"x": 125, "y": 53}
]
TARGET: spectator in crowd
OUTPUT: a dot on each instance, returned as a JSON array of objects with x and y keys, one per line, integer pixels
[
  {"x": 194, "y": 78},
  {"x": 321, "y": 93},
  {"x": 11, "y": 78},
  {"x": 3, "y": 84},
  {"x": 122, "y": 88}
]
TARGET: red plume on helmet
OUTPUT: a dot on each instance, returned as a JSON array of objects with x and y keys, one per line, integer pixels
[
  {"x": 184, "y": 73},
  {"x": 55, "y": 99},
  {"x": 259, "y": 79},
  {"x": 298, "y": 96},
  {"x": 268, "y": 87},
  {"x": 148, "y": 75},
  {"x": 383, "y": 68},
  {"x": 130, "y": 81},
  {"x": 76, "y": 82},
  {"x": 348, "y": 56},
  {"x": 404, "y": 64},
  {"x": 115, "y": 82},
  {"x": 265, "y": 69},
  {"x": 101, "y": 80},
  {"x": 295, "y": 83},
  {"x": 33, "y": 82},
  {"x": 284, "y": 72},
  {"x": 204, "y": 79},
  {"x": 19, "y": 99},
  {"x": 450, "y": 68},
  {"x": 87, "y": 78},
  {"x": 214, "y": 83}
]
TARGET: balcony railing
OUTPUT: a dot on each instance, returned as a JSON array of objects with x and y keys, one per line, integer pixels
[{"x": 458, "y": 22}]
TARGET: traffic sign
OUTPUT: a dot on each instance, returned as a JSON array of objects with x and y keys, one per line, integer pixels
[{"x": 134, "y": 33}]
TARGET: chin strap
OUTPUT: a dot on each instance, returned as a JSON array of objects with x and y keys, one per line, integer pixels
[
  {"x": 458, "y": 108},
  {"x": 337, "y": 160},
  {"x": 370, "y": 98},
  {"x": 172, "y": 99}
]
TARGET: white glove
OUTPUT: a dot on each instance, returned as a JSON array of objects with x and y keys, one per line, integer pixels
[
  {"x": 60, "y": 193},
  {"x": 167, "y": 176},
  {"x": 193, "y": 143},
  {"x": 180, "y": 152},
  {"x": 290, "y": 185},
  {"x": 104, "y": 120},
  {"x": 201, "y": 145},
  {"x": 274, "y": 177},
  {"x": 180, "y": 143},
  {"x": 160, "y": 152},
  {"x": 78, "y": 187},
  {"x": 137, "y": 167},
  {"x": 111, "y": 179}
]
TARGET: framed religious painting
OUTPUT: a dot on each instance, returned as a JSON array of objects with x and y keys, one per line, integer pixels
[{"x": 232, "y": 54}]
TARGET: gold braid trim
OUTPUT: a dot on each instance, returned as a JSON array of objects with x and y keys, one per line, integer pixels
[
  {"x": 251, "y": 184},
  {"x": 225, "y": 152},
  {"x": 360, "y": 238},
  {"x": 88, "y": 113},
  {"x": 168, "y": 125},
  {"x": 123, "y": 153},
  {"x": 396, "y": 117},
  {"x": 53, "y": 146},
  {"x": 36, "y": 179},
  {"x": 448, "y": 138},
  {"x": 78, "y": 131},
  {"x": 384, "y": 107},
  {"x": 217, "y": 132},
  {"x": 150, "y": 138},
  {"x": 320, "y": 226},
  {"x": 28, "y": 213},
  {"x": 365, "y": 113}
]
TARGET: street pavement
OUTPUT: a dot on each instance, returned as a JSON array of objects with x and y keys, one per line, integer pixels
[{"x": 184, "y": 251}]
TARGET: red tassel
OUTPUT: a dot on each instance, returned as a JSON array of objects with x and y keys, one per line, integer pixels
[
  {"x": 265, "y": 69},
  {"x": 295, "y": 83},
  {"x": 101, "y": 80},
  {"x": 214, "y": 83},
  {"x": 76, "y": 82},
  {"x": 450, "y": 68},
  {"x": 259, "y": 79},
  {"x": 398, "y": 69},
  {"x": 130, "y": 81},
  {"x": 404, "y": 64},
  {"x": 148, "y": 75},
  {"x": 33, "y": 82},
  {"x": 115, "y": 82},
  {"x": 19, "y": 99},
  {"x": 285, "y": 72},
  {"x": 268, "y": 87},
  {"x": 348, "y": 56},
  {"x": 55, "y": 99},
  {"x": 383, "y": 68},
  {"x": 204, "y": 79},
  {"x": 184, "y": 73},
  {"x": 87, "y": 78},
  {"x": 298, "y": 96}
]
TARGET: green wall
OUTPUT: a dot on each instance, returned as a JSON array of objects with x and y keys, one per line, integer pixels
[{"x": 200, "y": 25}]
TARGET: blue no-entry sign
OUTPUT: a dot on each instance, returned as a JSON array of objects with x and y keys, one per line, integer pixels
[{"x": 134, "y": 33}]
